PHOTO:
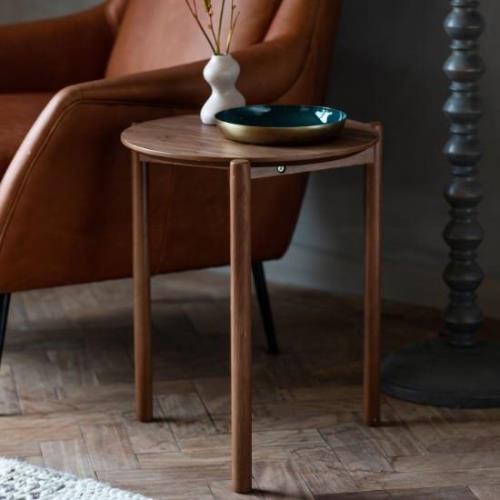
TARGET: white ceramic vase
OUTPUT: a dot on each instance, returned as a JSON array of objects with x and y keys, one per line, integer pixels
[{"x": 221, "y": 74}]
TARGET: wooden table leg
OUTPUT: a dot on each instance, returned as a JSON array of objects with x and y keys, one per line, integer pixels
[
  {"x": 372, "y": 302},
  {"x": 142, "y": 292},
  {"x": 241, "y": 325}
]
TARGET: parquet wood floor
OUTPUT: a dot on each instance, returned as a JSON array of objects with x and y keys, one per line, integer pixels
[{"x": 66, "y": 399}]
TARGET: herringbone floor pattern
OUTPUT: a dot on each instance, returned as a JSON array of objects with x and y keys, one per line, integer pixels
[{"x": 66, "y": 399}]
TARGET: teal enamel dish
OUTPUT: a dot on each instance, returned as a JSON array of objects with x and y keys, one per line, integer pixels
[{"x": 275, "y": 125}]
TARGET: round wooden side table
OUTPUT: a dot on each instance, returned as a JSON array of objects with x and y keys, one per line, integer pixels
[{"x": 184, "y": 142}]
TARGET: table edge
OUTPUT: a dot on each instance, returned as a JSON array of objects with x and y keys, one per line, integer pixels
[{"x": 207, "y": 161}]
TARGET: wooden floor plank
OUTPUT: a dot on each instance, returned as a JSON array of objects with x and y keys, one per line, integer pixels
[
  {"x": 438, "y": 479},
  {"x": 67, "y": 399},
  {"x": 284, "y": 439},
  {"x": 279, "y": 480},
  {"x": 447, "y": 461},
  {"x": 177, "y": 475},
  {"x": 410, "y": 494},
  {"x": 9, "y": 401},
  {"x": 108, "y": 447},
  {"x": 187, "y": 415},
  {"x": 355, "y": 449},
  {"x": 14, "y": 444},
  {"x": 322, "y": 471},
  {"x": 157, "y": 484},
  {"x": 221, "y": 490},
  {"x": 486, "y": 492},
  {"x": 70, "y": 456},
  {"x": 152, "y": 437}
]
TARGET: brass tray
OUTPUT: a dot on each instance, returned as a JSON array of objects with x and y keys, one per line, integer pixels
[{"x": 281, "y": 124}]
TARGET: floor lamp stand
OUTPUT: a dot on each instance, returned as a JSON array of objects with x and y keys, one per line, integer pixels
[{"x": 456, "y": 369}]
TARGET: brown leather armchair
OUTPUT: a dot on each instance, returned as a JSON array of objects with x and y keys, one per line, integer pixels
[{"x": 65, "y": 213}]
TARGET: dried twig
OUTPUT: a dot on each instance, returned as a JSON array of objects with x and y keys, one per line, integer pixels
[
  {"x": 194, "y": 13},
  {"x": 221, "y": 19},
  {"x": 213, "y": 34},
  {"x": 232, "y": 25}
]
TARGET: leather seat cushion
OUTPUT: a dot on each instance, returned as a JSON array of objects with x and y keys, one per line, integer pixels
[{"x": 18, "y": 113}]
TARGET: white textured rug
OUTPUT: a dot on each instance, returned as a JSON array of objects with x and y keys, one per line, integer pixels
[{"x": 23, "y": 481}]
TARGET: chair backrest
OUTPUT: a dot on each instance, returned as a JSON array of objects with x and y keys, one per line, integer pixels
[
  {"x": 154, "y": 34},
  {"x": 185, "y": 207},
  {"x": 161, "y": 33}
]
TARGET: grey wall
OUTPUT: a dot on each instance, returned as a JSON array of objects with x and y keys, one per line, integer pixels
[{"x": 387, "y": 67}]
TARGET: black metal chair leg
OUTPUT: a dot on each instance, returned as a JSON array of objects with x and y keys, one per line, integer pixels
[
  {"x": 259, "y": 278},
  {"x": 4, "y": 314}
]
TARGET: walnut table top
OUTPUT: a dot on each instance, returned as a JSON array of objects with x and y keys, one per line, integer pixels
[{"x": 184, "y": 140}]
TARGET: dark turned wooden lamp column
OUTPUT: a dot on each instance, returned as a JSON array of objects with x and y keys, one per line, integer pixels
[{"x": 456, "y": 370}]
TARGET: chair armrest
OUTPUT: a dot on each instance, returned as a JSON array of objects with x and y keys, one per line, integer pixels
[
  {"x": 51, "y": 54},
  {"x": 73, "y": 156}
]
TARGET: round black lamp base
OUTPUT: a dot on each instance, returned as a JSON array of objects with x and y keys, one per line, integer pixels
[{"x": 437, "y": 374}]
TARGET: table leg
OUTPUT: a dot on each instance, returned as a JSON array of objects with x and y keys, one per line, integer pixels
[
  {"x": 142, "y": 292},
  {"x": 372, "y": 301},
  {"x": 241, "y": 325}
]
